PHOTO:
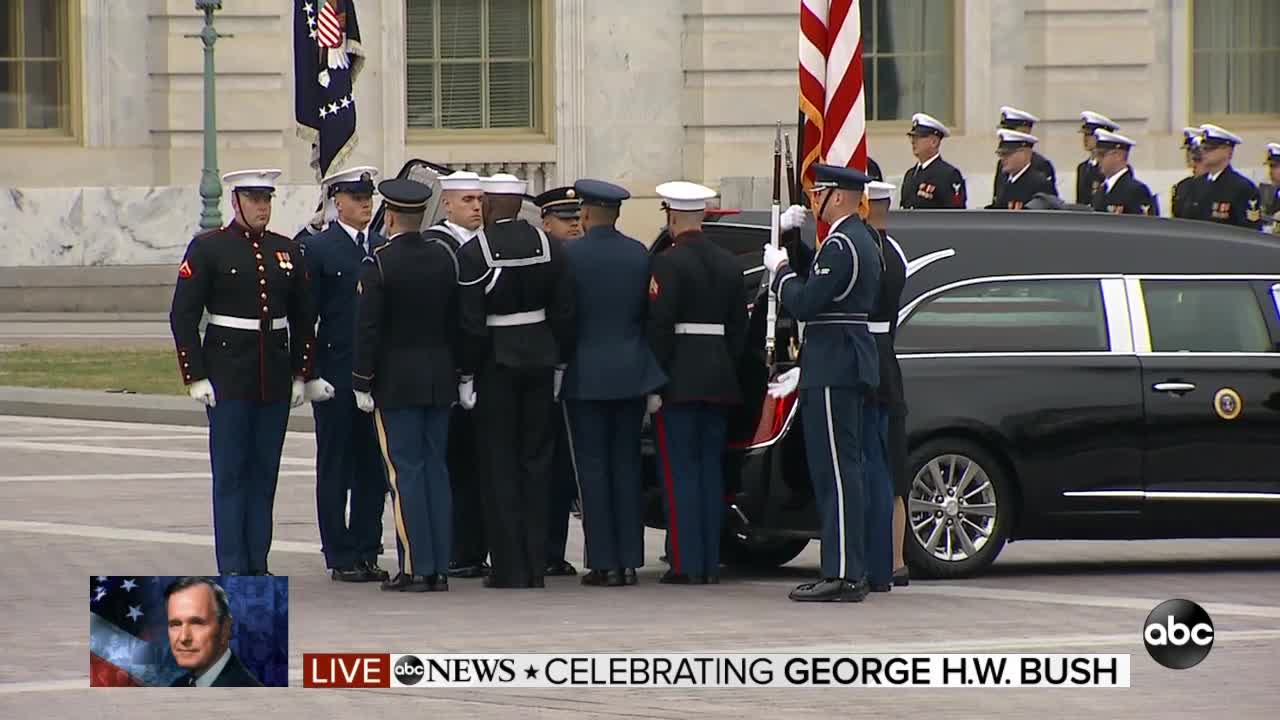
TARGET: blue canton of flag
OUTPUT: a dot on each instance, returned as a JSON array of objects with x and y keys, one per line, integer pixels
[{"x": 327, "y": 58}]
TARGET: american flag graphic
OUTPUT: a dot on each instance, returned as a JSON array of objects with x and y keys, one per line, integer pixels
[{"x": 831, "y": 93}]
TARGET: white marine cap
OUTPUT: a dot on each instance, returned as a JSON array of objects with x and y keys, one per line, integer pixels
[
  {"x": 1015, "y": 137},
  {"x": 503, "y": 184},
  {"x": 252, "y": 179},
  {"x": 929, "y": 122},
  {"x": 1217, "y": 134},
  {"x": 356, "y": 179},
  {"x": 878, "y": 190},
  {"x": 1015, "y": 116},
  {"x": 685, "y": 196},
  {"x": 1106, "y": 137},
  {"x": 1090, "y": 119},
  {"x": 461, "y": 180}
]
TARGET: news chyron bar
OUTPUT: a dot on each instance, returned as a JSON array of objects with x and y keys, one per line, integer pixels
[{"x": 693, "y": 671}]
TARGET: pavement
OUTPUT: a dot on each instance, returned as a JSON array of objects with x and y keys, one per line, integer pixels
[
  {"x": 85, "y": 497},
  {"x": 135, "y": 330}
]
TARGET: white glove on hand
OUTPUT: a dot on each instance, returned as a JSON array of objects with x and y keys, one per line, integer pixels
[
  {"x": 555, "y": 391},
  {"x": 774, "y": 257},
  {"x": 319, "y": 390},
  {"x": 785, "y": 384},
  {"x": 364, "y": 401},
  {"x": 792, "y": 218},
  {"x": 653, "y": 404},
  {"x": 298, "y": 394},
  {"x": 202, "y": 392},
  {"x": 467, "y": 394}
]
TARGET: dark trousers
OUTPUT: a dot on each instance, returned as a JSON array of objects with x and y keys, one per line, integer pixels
[
  {"x": 691, "y": 441},
  {"x": 413, "y": 442},
  {"x": 470, "y": 545},
  {"x": 245, "y": 442},
  {"x": 348, "y": 460},
  {"x": 513, "y": 409},
  {"x": 877, "y": 493},
  {"x": 898, "y": 454},
  {"x": 605, "y": 438},
  {"x": 832, "y": 418},
  {"x": 564, "y": 488}
]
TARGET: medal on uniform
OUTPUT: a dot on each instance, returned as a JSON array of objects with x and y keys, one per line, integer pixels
[{"x": 283, "y": 260}]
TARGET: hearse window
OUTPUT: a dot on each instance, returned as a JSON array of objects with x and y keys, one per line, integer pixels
[
  {"x": 1009, "y": 316},
  {"x": 1204, "y": 316}
]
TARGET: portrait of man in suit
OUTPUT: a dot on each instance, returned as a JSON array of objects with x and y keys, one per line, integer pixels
[{"x": 200, "y": 625}]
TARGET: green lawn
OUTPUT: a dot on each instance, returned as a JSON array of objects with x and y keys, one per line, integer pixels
[{"x": 141, "y": 371}]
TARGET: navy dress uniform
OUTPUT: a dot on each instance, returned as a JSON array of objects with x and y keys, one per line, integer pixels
[
  {"x": 839, "y": 369},
  {"x": 932, "y": 184},
  {"x": 1122, "y": 193},
  {"x": 1270, "y": 192},
  {"x": 697, "y": 328},
  {"x": 560, "y": 204},
  {"x": 1019, "y": 189},
  {"x": 1184, "y": 197},
  {"x": 405, "y": 372},
  {"x": 611, "y": 372},
  {"x": 256, "y": 354},
  {"x": 348, "y": 461},
  {"x": 518, "y": 324},
  {"x": 1012, "y": 118},
  {"x": 1088, "y": 176},
  {"x": 1226, "y": 196}
]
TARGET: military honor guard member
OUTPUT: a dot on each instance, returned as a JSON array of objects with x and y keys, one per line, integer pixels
[
  {"x": 697, "y": 327},
  {"x": 1022, "y": 181},
  {"x": 405, "y": 373},
  {"x": 1088, "y": 177},
  {"x": 1184, "y": 198},
  {"x": 839, "y": 370},
  {"x": 611, "y": 372},
  {"x": 1270, "y": 191},
  {"x": 884, "y": 427},
  {"x": 933, "y": 183},
  {"x": 348, "y": 461},
  {"x": 258, "y": 351},
  {"x": 1120, "y": 192},
  {"x": 518, "y": 325},
  {"x": 462, "y": 199},
  {"x": 1021, "y": 121},
  {"x": 561, "y": 219},
  {"x": 1225, "y": 195}
]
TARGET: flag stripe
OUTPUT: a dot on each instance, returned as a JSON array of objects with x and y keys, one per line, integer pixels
[
  {"x": 330, "y": 32},
  {"x": 142, "y": 660}
]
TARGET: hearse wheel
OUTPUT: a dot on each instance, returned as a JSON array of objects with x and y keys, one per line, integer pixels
[
  {"x": 760, "y": 553},
  {"x": 959, "y": 509}
]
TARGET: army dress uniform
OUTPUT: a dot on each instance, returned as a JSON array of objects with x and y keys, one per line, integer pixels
[
  {"x": 1088, "y": 176},
  {"x": 839, "y": 368},
  {"x": 257, "y": 348},
  {"x": 934, "y": 184},
  {"x": 406, "y": 334},
  {"x": 1020, "y": 120},
  {"x": 1227, "y": 197},
  {"x": 610, "y": 373},
  {"x": 697, "y": 328},
  {"x": 518, "y": 324},
  {"x": 1122, "y": 193}
]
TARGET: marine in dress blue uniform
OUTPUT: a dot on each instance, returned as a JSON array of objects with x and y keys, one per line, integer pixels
[
  {"x": 697, "y": 327},
  {"x": 348, "y": 461},
  {"x": 839, "y": 369},
  {"x": 1012, "y": 118},
  {"x": 610, "y": 373},
  {"x": 257, "y": 352},
  {"x": 406, "y": 374}
]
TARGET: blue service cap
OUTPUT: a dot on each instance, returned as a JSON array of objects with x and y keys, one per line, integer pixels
[
  {"x": 599, "y": 192},
  {"x": 404, "y": 195},
  {"x": 833, "y": 176}
]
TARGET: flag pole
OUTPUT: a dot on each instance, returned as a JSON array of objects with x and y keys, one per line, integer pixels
[{"x": 771, "y": 324}]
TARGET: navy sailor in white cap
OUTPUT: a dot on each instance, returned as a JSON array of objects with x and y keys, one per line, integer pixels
[
  {"x": 1022, "y": 181},
  {"x": 1270, "y": 191},
  {"x": 1088, "y": 176},
  {"x": 1225, "y": 195},
  {"x": 1120, "y": 192},
  {"x": 932, "y": 183},
  {"x": 257, "y": 354},
  {"x": 1011, "y": 118},
  {"x": 1184, "y": 196}
]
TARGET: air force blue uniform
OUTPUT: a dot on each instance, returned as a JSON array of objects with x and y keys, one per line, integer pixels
[
  {"x": 609, "y": 375},
  {"x": 347, "y": 454}
]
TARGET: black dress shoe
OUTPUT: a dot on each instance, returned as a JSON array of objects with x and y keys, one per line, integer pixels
[
  {"x": 879, "y": 587},
  {"x": 830, "y": 590},
  {"x": 671, "y": 577},
  {"x": 561, "y": 568},
  {"x": 460, "y": 570},
  {"x": 629, "y": 576},
  {"x": 596, "y": 578},
  {"x": 614, "y": 579},
  {"x": 407, "y": 583},
  {"x": 351, "y": 575},
  {"x": 375, "y": 572},
  {"x": 901, "y": 577},
  {"x": 439, "y": 583},
  {"x": 537, "y": 582}
]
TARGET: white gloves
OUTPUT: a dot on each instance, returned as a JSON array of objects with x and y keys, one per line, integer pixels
[
  {"x": 298, "y": 394},
  {"x": 364, "y": 401},
  {"x": 467, "y": 393},
  {"x": 774, "y": 257},
  {"x": 319, "y": 390},
  {"x": 785, "y": 384},
  {"x": 555, "y": 391},
  {"x": 792, "y": 218},
  {"x": 653, "y": 404},
  {"x": 202, "y": 392}
]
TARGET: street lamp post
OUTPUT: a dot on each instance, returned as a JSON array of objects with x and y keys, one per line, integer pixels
[{"x": 210, "y": 184}]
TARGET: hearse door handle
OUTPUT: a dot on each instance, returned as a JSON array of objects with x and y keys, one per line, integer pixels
[{"x": 1177, "y": 388}]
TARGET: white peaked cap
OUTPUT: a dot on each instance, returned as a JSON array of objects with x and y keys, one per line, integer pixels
[
  {"x": 687, "y": 196},
  {"x": 252, "y": 179},
  {"x": 877, "y": 190},
  {"x": 1273, "y": 149},
  {"x": 1209, "y": 131},
  {"x": 930, "y": 121},
  {"x": 1089, "y": 117},
  {"x": 461, "y": 180},
  {"x": 1012, "y": 113},
  {"x": 352, "y": 175},
  {"x": 1015, "y": 136},
  {"x": 1106, "y": 136},
  {"x": 503, "y": 184}
]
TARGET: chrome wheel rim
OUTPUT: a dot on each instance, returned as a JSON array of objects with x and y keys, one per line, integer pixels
[{"x": 952, "y": 507}]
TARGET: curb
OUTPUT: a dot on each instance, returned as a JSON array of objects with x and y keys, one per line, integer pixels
[{"x": 152, "y": 409}]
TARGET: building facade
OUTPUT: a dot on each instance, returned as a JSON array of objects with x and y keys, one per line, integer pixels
[{"x": 101, "y": 101}]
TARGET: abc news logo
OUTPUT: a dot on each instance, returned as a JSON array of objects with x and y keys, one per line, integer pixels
[
  {"x": 1178, "y": 634},
  {"x": 410, "y": 670}
]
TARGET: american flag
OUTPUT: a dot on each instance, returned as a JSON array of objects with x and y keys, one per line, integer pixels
[
  {"x": 327, "y": 59},
  {"x": 831, "y": 94},
  {"x": 128, "y": 639}
]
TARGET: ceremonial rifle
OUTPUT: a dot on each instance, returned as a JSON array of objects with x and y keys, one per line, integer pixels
[{"x": 771, "y": 321}]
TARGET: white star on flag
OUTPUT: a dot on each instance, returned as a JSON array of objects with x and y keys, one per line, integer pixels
[
  {"x": 308, "y": 8},
  {"x": 102, "y": 578},
  {"x": 312, "y": 34},
  {"x": 135, "y": 612},
  {"x": 346, "y": 101},
  {"x": 311, "y": 22},
  {"x": 101, "y": 592},
  {"x": 128, "y": 585},
  {"x": 333, "y": 107},
  {"x": 323, "y": 112}
]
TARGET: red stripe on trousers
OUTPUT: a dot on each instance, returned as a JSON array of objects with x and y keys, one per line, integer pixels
[{"x": 669, "y": 484}]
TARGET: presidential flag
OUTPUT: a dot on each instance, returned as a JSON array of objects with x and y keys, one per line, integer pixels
[{"x": 327, "y": 59}]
